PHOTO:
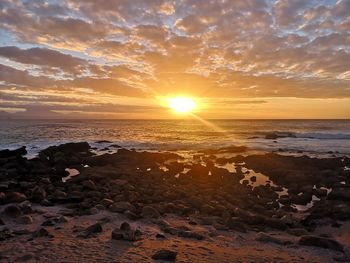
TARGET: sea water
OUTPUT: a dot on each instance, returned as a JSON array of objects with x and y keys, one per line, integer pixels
[{"x": 313, "y": 137}]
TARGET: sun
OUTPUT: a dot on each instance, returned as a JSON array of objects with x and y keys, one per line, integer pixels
[{"x": 181, "y": 104}]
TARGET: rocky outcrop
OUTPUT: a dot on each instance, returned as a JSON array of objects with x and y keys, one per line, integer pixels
[
  {"x": 165, "y": 254},
  {"x": 323, "y": 242}
]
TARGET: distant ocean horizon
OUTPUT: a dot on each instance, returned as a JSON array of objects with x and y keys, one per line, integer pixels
[{"x": 307, "y": 136}]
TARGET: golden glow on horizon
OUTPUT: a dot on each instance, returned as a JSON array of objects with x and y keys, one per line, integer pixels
[{"x": 181, "y": 104}]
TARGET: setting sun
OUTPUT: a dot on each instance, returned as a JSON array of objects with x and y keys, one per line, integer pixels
[{"x": 181, "y": 104}]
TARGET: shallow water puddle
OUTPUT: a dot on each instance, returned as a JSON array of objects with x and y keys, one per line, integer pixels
[
  {"x": 261, "y": 179},
  {"x": 231, "y": 167},
  {"x": 303, "y": 208},
  {"x": 72, "y": 173}
]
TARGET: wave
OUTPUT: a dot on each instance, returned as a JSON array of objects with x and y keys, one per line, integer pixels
[
  {"x": 324, "y": 136},
  {"x": 306, "y": 135}
]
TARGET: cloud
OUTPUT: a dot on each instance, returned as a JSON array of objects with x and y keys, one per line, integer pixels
[
  {"x": 44, "y": 57},
  {"x": 140, "y": 49},
  {"x": 21, "y": 78}
]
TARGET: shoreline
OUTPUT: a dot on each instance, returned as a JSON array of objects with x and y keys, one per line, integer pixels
[{"x": 247, "y": 199}]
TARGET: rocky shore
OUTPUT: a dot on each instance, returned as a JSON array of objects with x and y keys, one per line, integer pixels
[{"x": 71, "y": 205}]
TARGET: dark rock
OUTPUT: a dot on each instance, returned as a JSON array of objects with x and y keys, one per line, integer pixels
[
  {"x": 263, "y": 237},
  {"x": 106, "y": 202},
  {"x": 342, "y": 258},
  {"x": 62, "y": 219},
  {"x": 158, "y": 235},
  {"x": 38, "y": 194},
  {"x": 12, "y": 211},
  {"x": 5, "y": 234},
  {"x": 191, "y": 234},
  {"x": 170, "y": 230},
  {"x": 21, "y": 232},
  {"x": 25, "y": 220},
  {"x": 323, "y": 242},
  {"x": 26, "y": 207},
  {"x": 236, "y": 224},
  {"x": 16, "y": 153},
  {"x": 25, "y": 257},
  {"x": 42, "y": 232},
  {"x": 301, "y": 199},
  {"x": 297, "y": 232},
  {"x": 126, "y": 233},
  {"x": 26, "y": 185},
  {"x": 130, "y": 215},
  {"x": 115, "y": 146},
  {"x": 67, "y": 200},
  {"x": 121, "y": 207},
  {"x": 46, "y": 202},
  {"x": 276, "y": 135},
  {"x": 125, "y": 226},
  {"x": 15, "y": 197},
  {"x": 48, "y": 222},
  {"x": 150, "y": 212},
  {"x": 275, "y": 223},
  {"x": 60, "y": 194},
  {"x": 230, "y": 149},
  {"x": 103, "y": 141},
  {"x": 68, "y": 149},
  {"x": 92, "y": 230},
  {"x": 89, "y": 185},
  {"x": 339, "y": 193},
  {"x": 165, "y": 254}
]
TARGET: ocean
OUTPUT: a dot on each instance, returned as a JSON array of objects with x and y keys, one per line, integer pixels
[{"x": 313, "y": 137}]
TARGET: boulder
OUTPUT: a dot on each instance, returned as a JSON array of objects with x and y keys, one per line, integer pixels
[
  {"x": 5, "y": 234},
  {"x": 130, "y": 215},
  {"x": 38, "y": 194},
  {"x": 191, "y": 234},
  {"x": 14, "y": 153},
  {"x": 236, "y": 224},
  {"x": 297, "y": 231},
  {"x": 62, "y": 219},
  {"x": 265, "y": 238},
  {"x": 92, "y": 230},
  {"x": 67, "y": 149},
  {"x": 302, "y": 199},
  {"x": 48, "y": 222},
  {"x": 41, "y": 232},
  {"x": 165, "y": 254},
  {"x": 323, "y": 242},
  {"x": 121, "y": 207},
  {"x": 126, "y": 233},
  {"x": 340, "y": 193},
  {"x": 12, "y": 211},
  {"x": 89, "y": 185},
  {"x": 15, "y": 197},
  {"x": 275, "y": 223},
  {"x": 60, "y": 194},
  {"x": 107, "y": 202},
  {"x": 25, "y": 220},
  {"x": 150, "y": 212}
]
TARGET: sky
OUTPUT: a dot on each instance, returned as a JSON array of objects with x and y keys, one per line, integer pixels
[{"x": 120, "y": 58}]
